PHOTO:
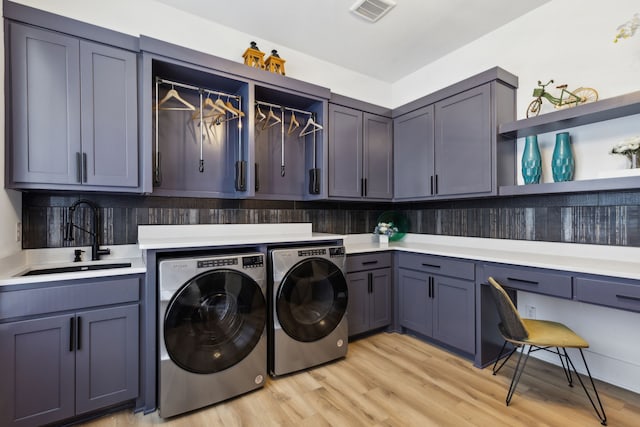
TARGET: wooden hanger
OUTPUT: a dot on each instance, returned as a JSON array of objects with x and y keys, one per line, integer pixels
[
  {"x": 213, "y": 106},
  {"x": 310, "y": 127},
  {"x": 272, "y": 120},
  {"x": 173, "y": 94},
  {"x": 260, "y": 116},
  {"x": 293, "y": 124},
  {"x": 233, "y": 110}
]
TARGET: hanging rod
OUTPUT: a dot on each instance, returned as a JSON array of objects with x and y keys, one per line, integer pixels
[
  {"x": 268, "y": 104},
  {"x": 196, "y": 88}
]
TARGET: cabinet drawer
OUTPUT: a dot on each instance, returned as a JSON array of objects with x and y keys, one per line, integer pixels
[
  {"x": 437, "y": 265},
  {"x": 609, "y": 292},
  {"x": 368, "y": 261},
  {"x": 69, "y": 295},
  {"x": 531, "y": 280}
]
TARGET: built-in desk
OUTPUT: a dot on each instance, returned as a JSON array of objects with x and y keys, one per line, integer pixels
[{"x": 594, "y": 274}]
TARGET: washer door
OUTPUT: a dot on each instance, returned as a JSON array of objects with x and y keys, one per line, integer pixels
[
  {"x": 312, "y": 299},
  {"x": 214, "y": 321}
]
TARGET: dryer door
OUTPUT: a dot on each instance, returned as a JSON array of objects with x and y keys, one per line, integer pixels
[
  {"x": 312, "y": 299},
  {"x": 214, "y": 321}
]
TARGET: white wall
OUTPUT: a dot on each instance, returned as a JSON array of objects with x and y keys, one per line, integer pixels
[
  {"x": 163, "y": 22},
  {"x": 10, "y": 201},
  {"x": 542, "y": 45}
]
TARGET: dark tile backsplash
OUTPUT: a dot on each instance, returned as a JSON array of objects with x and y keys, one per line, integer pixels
[{"x": 610, "y": 218}]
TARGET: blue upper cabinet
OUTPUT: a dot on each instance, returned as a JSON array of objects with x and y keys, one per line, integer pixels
[
  {"x": 73, "y": 113},
  {"x": 463, "y": 144},
  {"x": 446, "y": 144},
  {"x": 360, "y": 154}
]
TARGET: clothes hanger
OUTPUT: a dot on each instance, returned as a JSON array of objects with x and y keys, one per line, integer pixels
[
  {"x": 260, "y": 115},
  {"x": 271, "y": 118},
  {"x": 233, "y": 110},
  {"x": 213, "y": 107},
  {"x": 173, "y": 94},
  {"x": 310, "y": 127},
  {"x": 293, "y": 124}
]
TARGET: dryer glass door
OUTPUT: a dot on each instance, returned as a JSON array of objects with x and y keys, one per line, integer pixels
[
  {"x": 214, "y": 321},
  {"x": 312, "y": 299}
]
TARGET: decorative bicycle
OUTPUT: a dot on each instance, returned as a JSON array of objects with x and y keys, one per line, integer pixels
[{"x": 567, "y": 98}]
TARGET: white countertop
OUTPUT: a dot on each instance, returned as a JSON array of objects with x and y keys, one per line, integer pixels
[
  {"x": 13, "y": 266},
  {"x": 195, "y": 236},
  {"x": 617, "y": 261}
]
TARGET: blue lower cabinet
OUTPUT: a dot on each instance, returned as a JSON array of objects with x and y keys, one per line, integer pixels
[
  {"x": 369, "y": 300},
  {"x": 61, "y": 366},
  {"x": 437, "y": 306}
]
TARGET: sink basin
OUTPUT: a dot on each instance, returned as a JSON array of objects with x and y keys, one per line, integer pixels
[{"x": 73, "y": 268}]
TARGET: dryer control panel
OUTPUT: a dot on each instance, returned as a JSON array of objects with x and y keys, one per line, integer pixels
[{"x": 335, "y": 252}]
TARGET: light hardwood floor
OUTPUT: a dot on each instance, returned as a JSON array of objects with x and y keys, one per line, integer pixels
[{"x": 397, "y": 380}]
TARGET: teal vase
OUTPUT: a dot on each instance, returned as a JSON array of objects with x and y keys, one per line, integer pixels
[
  {"x": 531, "y": 161},
  {"x": 562, "y": 163}
]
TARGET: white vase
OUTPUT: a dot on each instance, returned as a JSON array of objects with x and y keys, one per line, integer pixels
[{"x": 383, "y": 240}]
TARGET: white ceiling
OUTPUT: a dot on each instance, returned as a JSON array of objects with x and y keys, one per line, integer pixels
[{"x": 412, "y": 35}]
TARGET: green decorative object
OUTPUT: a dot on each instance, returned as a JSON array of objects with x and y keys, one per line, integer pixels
[
  {"x": 531, "y": 161},
  {"x": 567, "y": 98},
  {"x": 562, "y": 163},
  {"x": 393, "y": 224}
]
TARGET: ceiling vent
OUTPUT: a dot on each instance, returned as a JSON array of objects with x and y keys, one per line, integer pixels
[{"x": 372, "y": 10}]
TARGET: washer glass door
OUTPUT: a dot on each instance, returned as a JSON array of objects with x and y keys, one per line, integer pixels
[
  {"x": 214, "y": 321},
  {"x": 312, "y": 299}
]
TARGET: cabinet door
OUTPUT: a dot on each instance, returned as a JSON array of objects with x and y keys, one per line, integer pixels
[
  {"x": 415, "y": 305},
  {"x": 454, "y": 312},
  {"x": 463, "y": 143},
  {"x": 106, "y": 357},
  {"x": 37, "y": 371},
  {"x": 345, "y": 152},
  {"x": 45, "y": 106},
  {"x": 378, "y": 156},
  {"x": 413, "y": 145},
  {"x": 358, "y": 306},
  {"x": 109, "y": 115},
  {"x": 380, "y": 298}
]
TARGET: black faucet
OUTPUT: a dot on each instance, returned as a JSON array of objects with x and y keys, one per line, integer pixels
[{"x": 96, "y": 252}]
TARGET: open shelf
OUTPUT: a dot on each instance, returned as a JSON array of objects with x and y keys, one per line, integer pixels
[
  {"x": 598, "y": 184},
  {"x": 593, "y": 112}
]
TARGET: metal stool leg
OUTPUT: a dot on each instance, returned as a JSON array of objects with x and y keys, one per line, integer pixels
[
  {"x": 494, "y": 370},
  {"x": 599, "y": 411},
  {"x": 565, "y": 366},
  {"x": 518, "y": 373}
]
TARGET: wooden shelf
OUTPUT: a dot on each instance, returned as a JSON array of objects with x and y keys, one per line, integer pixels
[
  {"x": 600, "y": 184},
  {"x": 593, "y": 112}
]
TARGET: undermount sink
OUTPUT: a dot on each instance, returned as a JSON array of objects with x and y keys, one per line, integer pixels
[{"x": 74, "y": 268}]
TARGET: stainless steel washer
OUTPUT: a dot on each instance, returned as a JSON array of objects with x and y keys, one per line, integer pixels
[
  {"x": 212, "y": 330},
  {"x": 309, "y": 298}
]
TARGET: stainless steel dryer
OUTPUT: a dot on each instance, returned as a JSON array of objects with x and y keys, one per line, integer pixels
[
  {"x": 212, "y": 330},
  {"x": 308, "y": 324}
]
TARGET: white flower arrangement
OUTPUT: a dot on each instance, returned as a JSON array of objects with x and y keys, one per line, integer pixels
[
  {"x": 629, "y": 147},
  {"x": 386, "y": 228},
  {"x": 628, "y": 29}
]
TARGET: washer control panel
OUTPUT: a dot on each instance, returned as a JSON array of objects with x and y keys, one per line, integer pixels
[
  {"x": 217, "y": 262},
  {"x": 253, "y": 261}
]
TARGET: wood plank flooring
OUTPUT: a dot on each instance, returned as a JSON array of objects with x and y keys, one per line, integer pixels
[{"x": 397, "y": 380}]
